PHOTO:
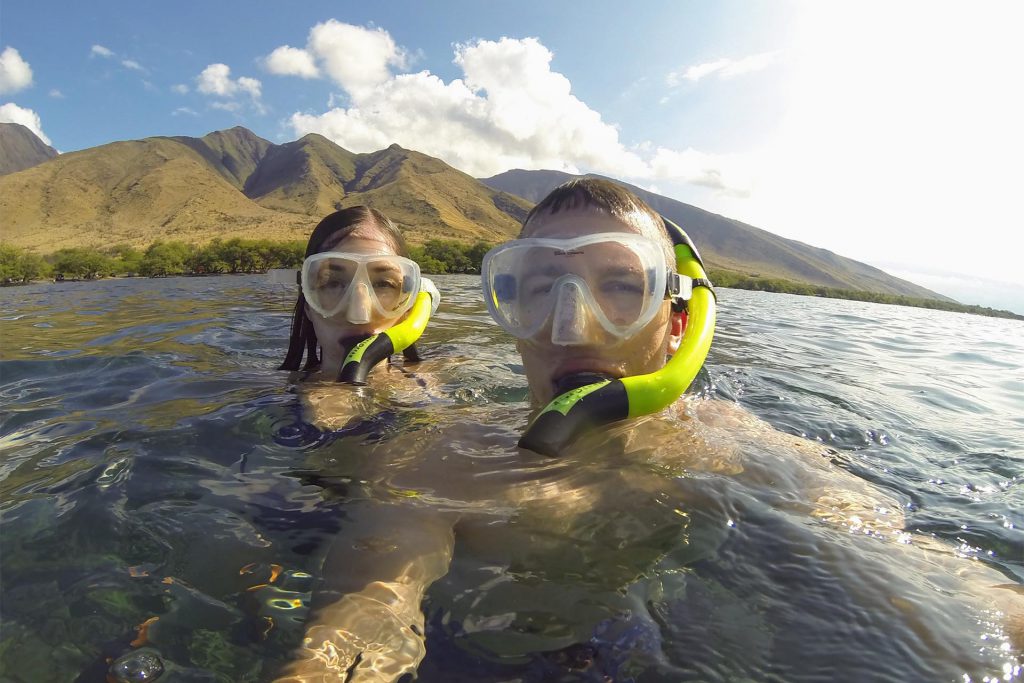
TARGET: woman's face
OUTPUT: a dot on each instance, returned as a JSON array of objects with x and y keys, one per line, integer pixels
[{"x": 331, "y": 330}]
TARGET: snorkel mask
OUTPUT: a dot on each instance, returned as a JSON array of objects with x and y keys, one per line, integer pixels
[
  {"x": 624, "y": 287},
  {"x": 595, "y": 289},
  {"x": 360, "y": 288}
]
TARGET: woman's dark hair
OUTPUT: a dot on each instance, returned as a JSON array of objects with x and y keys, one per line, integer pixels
[{"x": 326, "y": 235}]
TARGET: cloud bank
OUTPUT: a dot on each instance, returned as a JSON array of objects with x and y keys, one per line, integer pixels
[
  {"x": 508, "y": 110},
  {"x": 12, "y": 113},
  {"x": 15, "y": 73}
]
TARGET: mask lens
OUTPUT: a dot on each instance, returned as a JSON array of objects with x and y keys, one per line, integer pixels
[
  {"x": 378, "y": 286},
  {"x": 390, "y": 283},
  {"x": 618, "y": 282},
  {"x": 327, "y": 281},
  {"x": 615, "y": 280}
]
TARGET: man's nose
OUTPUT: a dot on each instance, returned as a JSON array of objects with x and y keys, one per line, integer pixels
[
  {"x": 359, "y": 306},
  {"x": 570, "y": 319}
]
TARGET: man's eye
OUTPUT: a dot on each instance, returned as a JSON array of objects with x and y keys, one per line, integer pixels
[
  {"x": 539, "y": 288},
  {"x": 621, "y": 287},
  {"x": 386, "y": 284}
]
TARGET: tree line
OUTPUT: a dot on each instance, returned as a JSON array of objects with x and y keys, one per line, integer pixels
[
  {"x": 435, "y": 256},
  {"x": 235, "y": 255},
  {"x": 732, "y": 279}
]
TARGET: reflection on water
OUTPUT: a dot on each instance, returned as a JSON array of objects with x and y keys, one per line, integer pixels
[{"x": 162, "y": 497}]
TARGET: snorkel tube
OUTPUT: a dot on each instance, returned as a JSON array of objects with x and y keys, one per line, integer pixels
[
  {"x": 608, "y": 400},
  {"x": 365, "y": 355}
]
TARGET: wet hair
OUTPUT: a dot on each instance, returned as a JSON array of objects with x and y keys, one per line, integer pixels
[
  {"x": 330, "y": 232},
  {"x": 610, "y": 197}
]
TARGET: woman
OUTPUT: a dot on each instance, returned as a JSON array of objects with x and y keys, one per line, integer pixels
[{"x": 357, "y": 283}]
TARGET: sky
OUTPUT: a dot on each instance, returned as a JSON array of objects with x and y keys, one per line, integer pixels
[{"x": 888, "y": 132}]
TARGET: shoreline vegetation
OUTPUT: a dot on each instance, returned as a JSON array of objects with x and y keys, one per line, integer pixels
[{"x": 246, "y": 256}]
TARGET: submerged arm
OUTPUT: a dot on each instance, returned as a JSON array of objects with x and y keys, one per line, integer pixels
[{"x": 366, "y": 623}]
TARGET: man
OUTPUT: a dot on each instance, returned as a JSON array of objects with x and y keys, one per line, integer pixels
[
  {"x": 599, "y": 289},
  {"x": 579, "y": 312}
]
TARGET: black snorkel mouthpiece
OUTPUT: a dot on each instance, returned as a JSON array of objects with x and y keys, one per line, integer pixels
[
  {"x": 585, "y": 401},
  {"x": 363, "y": 354}
]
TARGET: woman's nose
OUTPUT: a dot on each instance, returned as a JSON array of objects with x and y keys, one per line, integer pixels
[{"x": 359, "y": 306}]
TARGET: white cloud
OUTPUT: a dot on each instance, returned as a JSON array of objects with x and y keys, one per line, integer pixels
[
  {"x": 12, "y": 113},
  {"x": 99, "y": 50},
  {"x": 510, "y": 110},
  {"x": 251, "y": 86},
  {"x": 184, "y": 110},
  {"x": 56, "y": 94},
  {"x": 180, "y": 88},
  {"x": 291, "y": 61},
  {"x": 15, "y": 73},
  {"x": 354, "y": 57},
  {"x": 216, "y": 80},
  {"x": 131, "y": 64},
  {"x": 725, "y": 68}
]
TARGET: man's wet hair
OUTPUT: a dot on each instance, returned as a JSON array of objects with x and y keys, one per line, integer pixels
[
  {"x": 330, "y": 232},
  {"x": 608, "y": 196}
]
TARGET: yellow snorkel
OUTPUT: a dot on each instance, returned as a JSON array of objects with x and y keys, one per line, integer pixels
[
  {"x": 365, "y": 355},
  {"x": 610, "y": 400}
]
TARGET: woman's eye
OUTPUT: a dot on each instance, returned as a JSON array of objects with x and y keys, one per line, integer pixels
[
  {"x": 386, "y": 284},
  {"x": 332, "y": 283}
]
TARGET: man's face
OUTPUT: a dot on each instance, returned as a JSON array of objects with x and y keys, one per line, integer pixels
[{"x": 545, "y": 362}]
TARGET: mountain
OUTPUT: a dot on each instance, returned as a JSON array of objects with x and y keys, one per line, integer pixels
[
  {"x": 307, "y": 176},
  {"x": 235, "y": 153},
  {"x": 20, "y": 148},
  {"x": 235, "y": 184},
  {"x": 137, "y": 192},
  {"x": 731, "y": 245}
]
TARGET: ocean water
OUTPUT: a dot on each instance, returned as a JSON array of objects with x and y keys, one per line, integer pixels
[{"x": 163, "y": 494}]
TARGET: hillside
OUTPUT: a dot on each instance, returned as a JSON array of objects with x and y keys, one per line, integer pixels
[
  {"x": 232, "y": 183},
  {"x": 729, "y": 244},
  {"x": 133, "y": 192},
  {"x": 20, "y": 148},
  {"x": 235, "y": 184}
]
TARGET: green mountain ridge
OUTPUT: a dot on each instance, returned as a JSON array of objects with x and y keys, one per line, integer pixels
[
  {"x": 233, "y": 183},
  {"x": 235, "y": 153}
]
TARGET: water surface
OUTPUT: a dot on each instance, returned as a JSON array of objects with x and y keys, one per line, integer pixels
[{"x": 155, "y": 467}]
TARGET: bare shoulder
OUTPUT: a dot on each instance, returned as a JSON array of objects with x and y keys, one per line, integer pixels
[{"x": 767, "y": 457}]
